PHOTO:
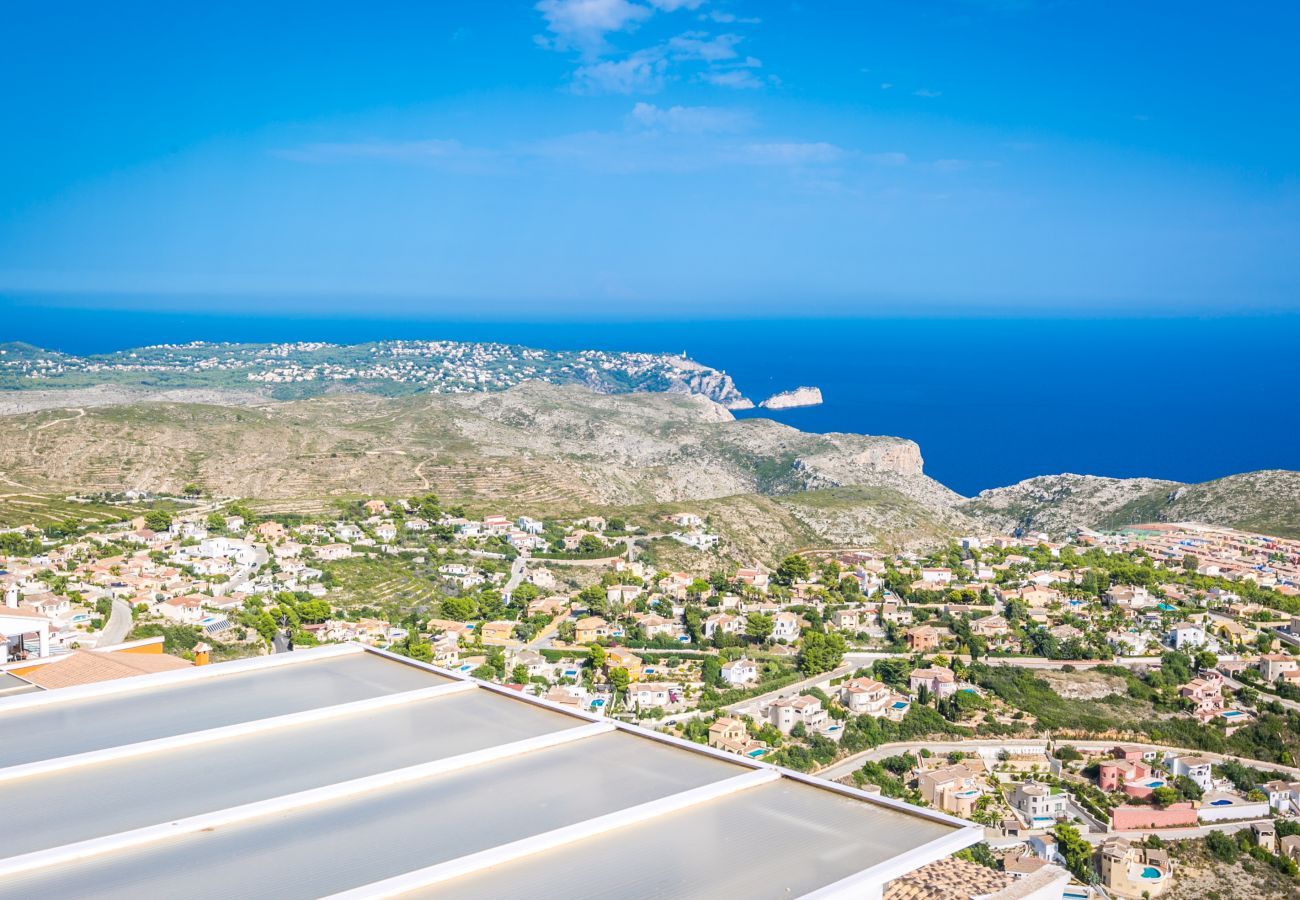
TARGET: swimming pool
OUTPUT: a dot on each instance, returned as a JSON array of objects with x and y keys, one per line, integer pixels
[
  {"x": 1232, "y": 713},
  {"x": 755, "y": 754},
  {"x": 1220, "y": 802},
  {"x": 598, "y": 703},
  {"x": 1151, "y": 872},
  {"x": 900, "y": 705}
]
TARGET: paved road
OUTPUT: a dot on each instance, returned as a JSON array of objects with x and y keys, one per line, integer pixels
[
  {"x": 849, "y": 763},
  {"x": 246, "y": 573},
  {"x": 118, "y": 625},
  {"x": 517, "y": 571},
  {"x": 1168, "y": 834},
  {"x": 752, "y": 705},
  {"x": 1263, "y": 695}
]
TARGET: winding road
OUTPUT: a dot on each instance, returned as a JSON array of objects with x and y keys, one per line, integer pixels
[{"x": 118, "y": 625}]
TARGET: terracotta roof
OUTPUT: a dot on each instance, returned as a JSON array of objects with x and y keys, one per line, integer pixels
[{"x": 89, "y": 667}]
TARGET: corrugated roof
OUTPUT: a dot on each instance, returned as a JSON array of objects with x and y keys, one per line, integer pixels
[{"x": 343, "y": 769}]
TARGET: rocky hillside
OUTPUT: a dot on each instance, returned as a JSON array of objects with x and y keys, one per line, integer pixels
[
  {"x": 534, "y": 443},
  {"x": 1267, "y": 501},
  {"x": 553, "y": 449}
]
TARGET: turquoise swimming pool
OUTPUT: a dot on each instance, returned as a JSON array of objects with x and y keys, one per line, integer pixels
[{"x": 1150, "y": 872}]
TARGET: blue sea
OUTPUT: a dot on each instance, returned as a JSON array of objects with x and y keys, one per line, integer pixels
[{"x": 990, "y": 400}]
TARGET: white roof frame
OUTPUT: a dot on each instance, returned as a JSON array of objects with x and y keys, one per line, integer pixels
[{"x": 865, "y": 883}]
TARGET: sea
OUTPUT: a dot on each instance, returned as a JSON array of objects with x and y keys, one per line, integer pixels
[{"x": 990, "y": 400}]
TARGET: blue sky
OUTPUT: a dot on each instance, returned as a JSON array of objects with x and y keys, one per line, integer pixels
[{"x": 647, "y": 157}]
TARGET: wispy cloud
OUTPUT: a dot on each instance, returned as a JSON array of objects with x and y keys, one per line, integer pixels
[
  {"x": 740, "y": 79},
  {"x": 689, "y": 119},
  {"x": 699, "y": 45},
  {"x": 585, "y": 27},
  {"x": 640, "y": 73},
  {"x": 887, "y": 159},
  {"x": 926, "y": 92},
  {"x": 583, "y": 24},
  {"x": 726, "y": 18}
]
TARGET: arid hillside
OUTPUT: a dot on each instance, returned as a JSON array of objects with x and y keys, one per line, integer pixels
[{"x": 559, "y": 449}]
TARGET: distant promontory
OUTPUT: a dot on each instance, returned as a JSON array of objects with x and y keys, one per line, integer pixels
[{"x": 801, "y": 396}]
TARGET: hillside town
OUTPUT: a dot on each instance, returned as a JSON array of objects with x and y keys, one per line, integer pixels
[
  {"x": 400, "y": 366},
  {"x": 976, "y": 679}
]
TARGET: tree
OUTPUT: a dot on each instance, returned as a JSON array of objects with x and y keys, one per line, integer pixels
[
  {"x": 216, "y": 521},
  {"x": 793, "y": 568},
  {"x": 820, "y": 652},
  {"x": 1221, "y": 846},
  {"x": 1075, "y": 850},
  {"x": 694, "y": 623},
  {"x": 596, "y": 656},
  {"x": 619, "y": 679},
  {"x": 519, "y": 674},
  {"x": 892, "y": 671},
  {"x": 158, "y": 520},
  {"x": 590, "y": 544},
  {"x": 524, "y": 593},
  {"x": 592, "y": 597},
  {"x": 1164, "y": 796},
  {"x": 759, "y": 627},
  {"x": 460, "y": 609},
  {"x": 711, "y": 671},
  {"x": 490, "y": 605}
]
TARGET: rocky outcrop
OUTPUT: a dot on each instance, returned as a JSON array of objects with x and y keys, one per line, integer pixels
[
  {"x": 1266, "y": 501},
  {"x": 802, "y": 396},
  {"x": 696, "y": 378}
]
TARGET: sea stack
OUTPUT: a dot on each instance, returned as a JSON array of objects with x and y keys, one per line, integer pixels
[{"x": 801, "y": 396}]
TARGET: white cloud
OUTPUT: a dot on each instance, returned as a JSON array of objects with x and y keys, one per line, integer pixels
[
  {"x": 641, "y": 73},
  {"x": 726, "y": 18},
  {"x": 674, "y": 5},
  {"x": 740, "y": 79},
  {"x": 689, "y": 119},
  {"x": 583, "y": 24},
  {"x": 887, "y": 159},
  {"x": 697, "y": 45},
  {"x": 951, "y": 165},
  {"x": 926, "y": 92}
]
